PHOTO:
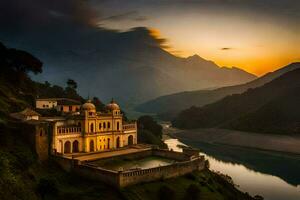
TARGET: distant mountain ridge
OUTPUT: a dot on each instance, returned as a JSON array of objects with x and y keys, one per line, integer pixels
[
  {"x": 271, "y": 108},
  {"x": 130, "y": 66},
  {"x": 170, "y": 105}
]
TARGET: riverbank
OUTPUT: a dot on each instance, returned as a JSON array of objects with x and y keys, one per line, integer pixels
[{"x": 270, "y": 142}]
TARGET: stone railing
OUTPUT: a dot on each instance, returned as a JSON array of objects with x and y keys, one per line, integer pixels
[
  {"x": 131, "y": 177},
  {"x": 68, "y": 130},
  {"x": 182, "y": 165},
  {"x": 128, "y": 127}
]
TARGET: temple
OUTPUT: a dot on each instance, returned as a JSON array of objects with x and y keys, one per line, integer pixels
[
  {"x": 91, "y": 131},
  {"x": 101, "y": 146}
]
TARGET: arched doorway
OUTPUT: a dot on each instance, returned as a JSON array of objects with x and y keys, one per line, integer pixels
[
  {"x": 67, "y": 147},
  {"x": 92, "y": 146},
  {"x": 75, "y": 146},
  {"x": 118, "y": 142},
  {"x": 130, "y": 140},
  {"x": 108, "y": 143}
]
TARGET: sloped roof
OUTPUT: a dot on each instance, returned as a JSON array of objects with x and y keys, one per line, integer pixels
[
  {"x": 29, "y": 112},
  {"x": 25, "y": 113}
]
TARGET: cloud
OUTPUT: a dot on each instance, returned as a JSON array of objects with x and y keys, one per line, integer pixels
[
  {"x": 131, "y": 15},
  {"x": 19, "y": 15},
  {"x": 226, "y": 48}
]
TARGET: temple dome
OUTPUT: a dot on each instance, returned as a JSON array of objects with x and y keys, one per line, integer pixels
[
  {"x": 88, "y": 106},
  {"x": 112, "y": 106}
]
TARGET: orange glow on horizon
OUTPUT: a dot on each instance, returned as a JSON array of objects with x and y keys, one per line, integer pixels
[
  {"x": 256, "y": 66},
  {"x": 255, "y": 60}
]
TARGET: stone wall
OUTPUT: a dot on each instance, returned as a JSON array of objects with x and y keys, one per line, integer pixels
[
  {"x": 178, "y": 156},
  {"x": 42, "y": 141},
  {"x": 158, "y": 173},
  {"x": 65, "y": 163},
  {"x": 185, "y": 164},
  {"x": 98, "y": 174}
]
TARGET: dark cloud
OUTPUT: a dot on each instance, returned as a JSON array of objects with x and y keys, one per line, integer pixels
[
  {"x": 131, "y": 15},
  {"x": 18, "y": 15},
  {"x": 226, "y": 48}
]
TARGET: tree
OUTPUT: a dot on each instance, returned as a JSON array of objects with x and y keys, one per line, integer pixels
[
  {"x": 147, "y": 122},
  {"x": 72, "y": 84},
  {"x": 19, "y": 61},
  {"x": 99, "y": 105}
]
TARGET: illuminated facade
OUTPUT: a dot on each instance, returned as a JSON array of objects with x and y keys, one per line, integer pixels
[{"x": 92, "y": 131}]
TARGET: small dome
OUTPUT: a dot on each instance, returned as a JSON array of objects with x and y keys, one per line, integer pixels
[
  {"x": 112, "y": 106},
  {"x": 88, "y": 106}
]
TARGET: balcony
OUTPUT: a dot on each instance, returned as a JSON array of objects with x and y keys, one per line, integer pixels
[
  {"x": 129, "y": 127},
  {"x": 68, "y": 130}
]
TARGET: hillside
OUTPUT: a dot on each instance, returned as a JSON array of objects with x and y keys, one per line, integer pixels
[
  {"x": 131, "y": 66},
  {"x": 24, "y": 177},
  {"x": 271, "y": 108},
  {"x": 168, "y": 106}
]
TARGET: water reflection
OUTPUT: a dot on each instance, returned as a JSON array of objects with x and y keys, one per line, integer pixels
[{"x": 256, "y": 172}]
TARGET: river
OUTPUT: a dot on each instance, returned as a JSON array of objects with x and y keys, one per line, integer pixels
[{"x": 272, "y": 175}]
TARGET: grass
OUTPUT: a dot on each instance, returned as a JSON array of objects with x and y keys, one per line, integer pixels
[{"x": 210, "y": 185}]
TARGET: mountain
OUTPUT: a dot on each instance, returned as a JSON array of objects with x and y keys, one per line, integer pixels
[
  {"x": 170, "y": 105},
  {"x": 129, "y": 66},
  {"x": 24, "y": 176},
  {"x": 271, "y": 108}
]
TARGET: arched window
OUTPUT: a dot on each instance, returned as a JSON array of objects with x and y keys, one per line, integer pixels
[
  {"x": 104, "y": 125},
  {"x": 100, "y": 126},
  {"x": 108, "y": 124},
  {"x": 92, "y": 127},
  {"x": 118, "y": 125}
]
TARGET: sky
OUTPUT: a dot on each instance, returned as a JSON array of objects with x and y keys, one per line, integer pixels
[{"x": 256, "y": 35}]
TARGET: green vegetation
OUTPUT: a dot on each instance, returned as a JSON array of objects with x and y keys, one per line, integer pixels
[
  {"x": 168, "y": 106},
  {"x": 46, "y": 90},
  {"x": 23, "y": 176},
  {"x": 272, "y": 108},
  {"x": 149, "y": 131},
  {"x": 204, "y": 185}
]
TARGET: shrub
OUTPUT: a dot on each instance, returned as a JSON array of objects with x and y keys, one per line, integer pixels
[
  {"x": 191, "y": 176},
  {"x": 206, "y": 164},
  {"x": 166, "y": 192},
  {"x": 47, "y": 186},
  {"x": 258, "y": 197},
  {"x": 192, "y": 192}
]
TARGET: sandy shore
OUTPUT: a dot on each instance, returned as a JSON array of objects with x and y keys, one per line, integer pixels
[{"x": 282, "y": 143}]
